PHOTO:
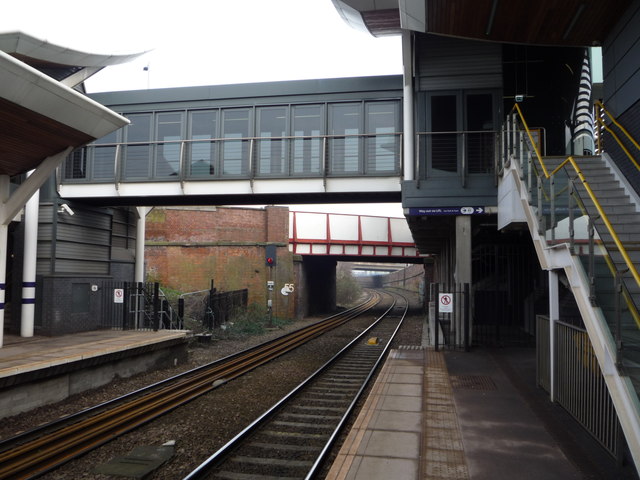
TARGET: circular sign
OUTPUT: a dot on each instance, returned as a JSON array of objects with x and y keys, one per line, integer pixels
[{"x": 445, "y": 301}]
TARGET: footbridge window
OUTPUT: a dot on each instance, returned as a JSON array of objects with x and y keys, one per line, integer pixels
[{"x": 270, "y": 141}]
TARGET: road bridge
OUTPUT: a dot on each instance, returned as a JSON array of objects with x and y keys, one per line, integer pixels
[{"x": 352, "y": 236}]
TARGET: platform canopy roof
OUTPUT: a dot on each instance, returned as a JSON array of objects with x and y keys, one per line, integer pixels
[
  {"x": 543, "y": 22},
  {"x": 40, "y": 115}
]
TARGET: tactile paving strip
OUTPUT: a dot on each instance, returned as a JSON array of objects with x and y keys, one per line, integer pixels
[{"x": 444, "y": 457}]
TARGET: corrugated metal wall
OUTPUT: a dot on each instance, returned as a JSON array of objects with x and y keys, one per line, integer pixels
[
  {"x": 81, "y": 244},
  {"x": 445, "y": 63},
  {"x": 621, "y": 63}
]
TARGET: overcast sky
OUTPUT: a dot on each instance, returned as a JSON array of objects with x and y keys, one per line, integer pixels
[{"x": 208, "y": 42}]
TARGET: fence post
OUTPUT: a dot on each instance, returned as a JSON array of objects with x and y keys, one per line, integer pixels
[
  {"x": 467, "y": 308},
  {"x": 125, "y": 307},
  {"x": 211, "y": 319},
  {"x": 180, "y": 313},
  {"x": 436, "y": 323},
  {"x": 140, "y": 306},
  {"x": 156, "y": 306}
]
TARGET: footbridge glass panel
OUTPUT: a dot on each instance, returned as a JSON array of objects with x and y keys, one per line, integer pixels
[{"x": 267, "y": 141}]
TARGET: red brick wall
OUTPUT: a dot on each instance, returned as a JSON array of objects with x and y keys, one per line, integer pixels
[{"x": 187, "y": 248}]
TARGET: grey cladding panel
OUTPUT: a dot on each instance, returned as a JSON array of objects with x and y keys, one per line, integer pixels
[
  {"x": 450, "y": 63},
  {"x": 81, "y": 251},
  {"x": 80, "y": 267},
  {"x": 121, "y": 229},
  {"x": 621, "y": 58},
  {"x": 73, "y": 233}
]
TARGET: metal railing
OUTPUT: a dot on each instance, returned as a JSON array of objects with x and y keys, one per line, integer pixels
[
  {"x": 456, "y": 152},
  {"x": 236, "y": 158},
  {"x": 600, "y": 114},
  {"x": 563, "y": 216},
  {"x": 578, "y": 382},
  {"x": 451, "y": 319},
  {"x": 141, "y": 306}
]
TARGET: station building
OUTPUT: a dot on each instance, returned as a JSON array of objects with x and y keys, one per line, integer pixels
[{"x": 433, "y": 138}]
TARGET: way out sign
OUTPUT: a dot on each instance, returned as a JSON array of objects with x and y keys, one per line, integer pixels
[
  {"x": 445, "y": 302},
  {"x": 118, "y": 295}
]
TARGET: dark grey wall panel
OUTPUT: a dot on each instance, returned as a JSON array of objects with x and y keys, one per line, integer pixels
[
  {"x": 621, "y": 62},
  {"x": 446, "y": 63}
]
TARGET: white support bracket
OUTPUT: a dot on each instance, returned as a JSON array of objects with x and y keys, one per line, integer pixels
[{"x": 25, "y": 191}]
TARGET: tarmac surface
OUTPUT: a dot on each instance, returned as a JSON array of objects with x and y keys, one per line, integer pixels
[{"x": 468, "y": 415}]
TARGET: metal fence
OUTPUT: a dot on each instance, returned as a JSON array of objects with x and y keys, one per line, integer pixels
[
  {"x": 451, "y": 328},
  {"x": 212, "y": 309},
  {"x": 137, "y": 306},
  {"x": 578, "y": 382}
]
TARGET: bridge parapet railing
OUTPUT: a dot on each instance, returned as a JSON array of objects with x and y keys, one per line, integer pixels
[
  {"x": 236, "y": 158},
  {"x": 460, "y": 153}
]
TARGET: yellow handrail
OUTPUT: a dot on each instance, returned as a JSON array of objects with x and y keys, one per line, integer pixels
[
  {"x": 599, "y": 107},
  {"x": 603, "y": 215},
  {"x": 533, "y": 143}
]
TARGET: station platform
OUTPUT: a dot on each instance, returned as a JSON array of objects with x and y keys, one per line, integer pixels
[
  {"x": 36, "y": 371},
  {"x": 467, "y": 415}
]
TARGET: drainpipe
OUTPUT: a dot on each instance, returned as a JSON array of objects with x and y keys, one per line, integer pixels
[
  {"x": 140, "y": 232},
  {"x": 407, "y": 106},
  {"x": 31, "y": 212}
]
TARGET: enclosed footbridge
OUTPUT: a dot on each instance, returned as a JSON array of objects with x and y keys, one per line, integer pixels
[{"x": 283, "y": 142}]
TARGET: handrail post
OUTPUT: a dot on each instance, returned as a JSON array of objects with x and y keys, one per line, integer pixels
[
  {"x": 521, "y": 154},
  {"x": 591, "y": 231},
  {"x": 571, "y": 217},
  {"x": 325, "y": 163},
  {"x": 514, "y": 131},
  {"x": 552, "y": 206},
  {"x": 507, "y": 134},
  {"x": 251, "y": 162},
  {"x": 401, "y": 155},
  {"x": 618, "y": 330},
  {"x": 541, "y": 225},
  {"x": 417, "y": 160},
  {"x": 463, "y": 166},
  {"x": 529, "y": 177},
  {"x": 182, "y": 164}
]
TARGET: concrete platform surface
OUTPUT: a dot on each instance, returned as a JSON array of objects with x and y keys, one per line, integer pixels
[
  {"x": 20, "y": 355},
  {"x": 476, "y": 415}
]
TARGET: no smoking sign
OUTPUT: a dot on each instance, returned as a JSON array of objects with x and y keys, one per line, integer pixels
[{"x": 445, "y": 302}]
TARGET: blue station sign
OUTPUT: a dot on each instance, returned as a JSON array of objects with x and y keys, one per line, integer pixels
[{"x": 446, "y": 210}]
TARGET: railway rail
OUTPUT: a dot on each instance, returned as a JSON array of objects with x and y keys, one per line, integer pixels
[
  {"x": 292, "y": 439},
  {"x": 44, "y": 448}
]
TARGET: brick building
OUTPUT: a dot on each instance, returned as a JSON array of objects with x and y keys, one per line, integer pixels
[{"x": 187, "y": 247}]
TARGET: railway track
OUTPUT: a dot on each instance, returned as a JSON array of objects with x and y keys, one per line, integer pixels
[
  {"x": 292, "y": 439},
  {"x": 40, "y": 450}
]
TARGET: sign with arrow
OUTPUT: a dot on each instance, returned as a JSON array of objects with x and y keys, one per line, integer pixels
[{"x": 446, "y": 211}]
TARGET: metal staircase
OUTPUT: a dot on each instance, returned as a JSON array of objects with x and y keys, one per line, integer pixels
[{"x": 585, "y": 221}]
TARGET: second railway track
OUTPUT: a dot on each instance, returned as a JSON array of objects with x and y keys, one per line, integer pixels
[{"x": 292, "y": 439}]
